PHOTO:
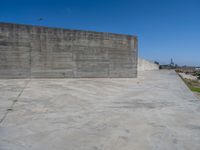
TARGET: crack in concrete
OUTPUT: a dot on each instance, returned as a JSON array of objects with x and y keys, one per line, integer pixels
[{"x": 14, "y": 102}]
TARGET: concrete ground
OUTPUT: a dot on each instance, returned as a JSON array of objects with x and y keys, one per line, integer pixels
[
  {"x": 153, "y": 112},
  {"x": 198, "y": 94}
]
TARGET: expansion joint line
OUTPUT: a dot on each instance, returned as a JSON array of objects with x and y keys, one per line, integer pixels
[{"x": 14, "y": 101}]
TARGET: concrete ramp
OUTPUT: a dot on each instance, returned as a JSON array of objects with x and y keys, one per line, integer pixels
[
  {"x": 145, "y": 65},
  {"x": 155, "y": 111}
]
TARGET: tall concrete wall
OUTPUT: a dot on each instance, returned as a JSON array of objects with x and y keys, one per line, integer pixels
[{"x": 32, "y": 51}]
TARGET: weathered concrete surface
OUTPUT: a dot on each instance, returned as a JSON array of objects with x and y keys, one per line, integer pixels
[
  {"x": 146, "y": 65},
  {"x": 197, "y": 94},
  {"x": 31, "y": 51},
  {"x": 154, "y": 112}
]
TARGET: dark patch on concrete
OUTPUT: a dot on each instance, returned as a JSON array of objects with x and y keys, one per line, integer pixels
[
  {"x": 175, "y": 141},
  {"x": 193, "y": 127},
  {"x": 156, "y": 125},
  {"x": 127, "y": 131},
  {"x": 9, "y": 109},
  {"x": 141, "y": 104},
  {"x": 125, "y": 138}
]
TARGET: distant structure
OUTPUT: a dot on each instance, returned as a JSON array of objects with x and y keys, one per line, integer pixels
[
  {"x": 40, "y": 52},
  {"x": 172, "y": 65},
  {"x": 172, "y": 62}
]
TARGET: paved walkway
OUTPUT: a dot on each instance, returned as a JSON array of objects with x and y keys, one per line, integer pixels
[{"x": 153, "y": 112}]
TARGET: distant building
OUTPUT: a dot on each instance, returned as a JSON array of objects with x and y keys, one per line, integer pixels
[
  {"x": 166, "y": 67},
  {"x": 172, "y": 65}
]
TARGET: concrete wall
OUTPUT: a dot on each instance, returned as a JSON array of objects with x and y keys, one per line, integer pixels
[
  {"x": 146, "y": 65},
  {"x": 32, "y": 51}
]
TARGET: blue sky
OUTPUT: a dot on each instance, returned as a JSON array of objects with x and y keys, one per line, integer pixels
[{"x": 165, "y": 28}]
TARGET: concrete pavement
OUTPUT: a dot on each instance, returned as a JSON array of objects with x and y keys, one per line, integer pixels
[{"x": 156, "y": 111}]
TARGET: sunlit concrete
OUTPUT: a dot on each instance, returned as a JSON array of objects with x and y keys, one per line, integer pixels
[{"x": 156, "y": 111}]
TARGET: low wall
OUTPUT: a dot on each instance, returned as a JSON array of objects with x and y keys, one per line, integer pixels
[
  {"x": 31, "y": 51},
  {"x": 146, "y": 65}
]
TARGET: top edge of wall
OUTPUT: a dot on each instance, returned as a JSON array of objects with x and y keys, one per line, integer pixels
[{"x": 56, "y": 28}]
